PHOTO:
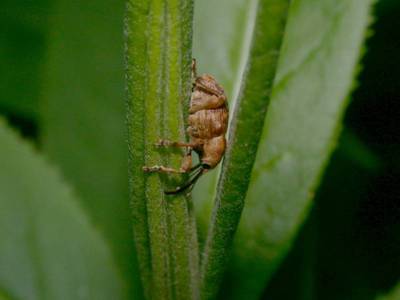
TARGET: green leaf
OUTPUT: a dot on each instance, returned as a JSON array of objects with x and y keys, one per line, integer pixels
[
  {"x": 227, "y": 38},
  {"x": 158, "y": 80},
  {"x": 321, "y": 49},
  {"x": 83, "y": 116},
  {"x": 244, "y": 135},
  {"x": 49, "y": 250}
]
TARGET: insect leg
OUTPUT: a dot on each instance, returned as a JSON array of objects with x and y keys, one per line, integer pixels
[
  {"x": 168, "y": 143},
  {"x": 162, "y": 169},
  {"x": 186, "y": 166}
]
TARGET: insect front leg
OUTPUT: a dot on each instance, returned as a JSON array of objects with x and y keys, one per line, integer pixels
[{"x": 186, "y": 166}]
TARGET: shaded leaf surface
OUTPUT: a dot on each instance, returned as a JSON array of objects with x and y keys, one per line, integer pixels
[
  {"x": 318, "y": 61},
  {"x": 49, "y": 250}
]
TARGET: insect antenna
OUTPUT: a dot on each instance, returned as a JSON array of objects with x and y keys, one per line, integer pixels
[{"x": 197, "y": 171}]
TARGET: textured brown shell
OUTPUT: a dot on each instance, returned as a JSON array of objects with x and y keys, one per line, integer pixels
[
  {"x": 208, "y": 123},
  {"x": 208, "y": 119}
]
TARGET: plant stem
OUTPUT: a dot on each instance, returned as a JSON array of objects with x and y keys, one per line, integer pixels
[
  {"x": 159, "y": 89},
  {"x": 244, "y": 136},
  {"x": 136, "y": 70}
]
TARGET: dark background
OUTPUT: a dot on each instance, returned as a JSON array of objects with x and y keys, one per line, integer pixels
[{"x": 350, "y": 246}]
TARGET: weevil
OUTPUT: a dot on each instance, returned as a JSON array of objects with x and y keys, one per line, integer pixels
[{"x": 208, "y": 122}]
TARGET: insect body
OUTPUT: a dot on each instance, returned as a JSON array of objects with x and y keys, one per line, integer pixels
[{"x": 208, "y": 122}]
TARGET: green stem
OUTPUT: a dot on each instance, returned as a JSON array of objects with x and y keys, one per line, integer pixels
[
  {"x": 244, "y": 136},
  {"x": 158, "y": 68}
]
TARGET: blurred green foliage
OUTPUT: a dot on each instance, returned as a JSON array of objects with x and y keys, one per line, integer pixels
[
  {"x": 82, "y": 114},
  {"x": 23, "y": 45},
  {"x": 49, "y": 249}
]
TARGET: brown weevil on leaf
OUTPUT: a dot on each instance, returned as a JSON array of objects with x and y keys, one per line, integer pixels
[{"x": 208, "y": 122}]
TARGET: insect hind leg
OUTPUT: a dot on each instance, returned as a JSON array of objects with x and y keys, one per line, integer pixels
[
  {"x": 161, "y": 169},
  {"x": 196, "y": 172}
]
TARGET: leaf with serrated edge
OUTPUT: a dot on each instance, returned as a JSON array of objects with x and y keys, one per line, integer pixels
[{"x": 322, "y": 46}]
